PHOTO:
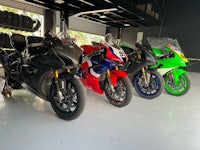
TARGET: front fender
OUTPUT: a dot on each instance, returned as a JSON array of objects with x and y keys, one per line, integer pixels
[
  {"x": 177, "y": 72},
  {"x": 114, "y": 74}
]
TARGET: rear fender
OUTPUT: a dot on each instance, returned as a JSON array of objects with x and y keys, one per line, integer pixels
[{"x": 114, "y": 74}]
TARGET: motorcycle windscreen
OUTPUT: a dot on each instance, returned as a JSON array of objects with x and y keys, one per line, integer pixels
[{"x": 154, "y": 42}]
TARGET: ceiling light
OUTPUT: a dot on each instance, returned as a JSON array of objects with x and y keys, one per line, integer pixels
[
  {"x": 59, "y": 1},
  {"x": 127, "y": 25},
  {"x": 108, "y": 1},
  {"x": 102, "y": 16},
  {"x": 87, "y": 2},
  {"x": 95, "y": 11},
  {"x": 74, "y": 6}
]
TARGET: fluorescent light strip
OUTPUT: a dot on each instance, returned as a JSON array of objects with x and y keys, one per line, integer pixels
[
  {"x": 87, "y": 3},
  {"x": 95, "y": 11},
  {"x": 74, "y": 6},
  {"x": 59, "y": 1},
  {"x": 108, "y": 1}
]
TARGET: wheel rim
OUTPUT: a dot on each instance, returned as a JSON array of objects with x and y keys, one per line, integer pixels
[
  {"x": 176, "y": 87},
  {"x": 148, "y": 90},
  {"x": 69, "y": 101},
  {"x": 119, "y": 94}
]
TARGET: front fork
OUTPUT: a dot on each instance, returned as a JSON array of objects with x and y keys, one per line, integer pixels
[
  {"x": 145, "y": 75},
  {"x": 60, "y": 85},
  {"x": 109, "y": 81},
  {"x": 59, "y": 93}
]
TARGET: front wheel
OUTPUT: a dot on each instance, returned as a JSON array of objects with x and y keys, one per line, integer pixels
[
  {"x": 122, "y": 94},
  {"x": 179, "y": 88},
  {"x": 154, "y": 86},
  {"x": 68, "y": 102}
]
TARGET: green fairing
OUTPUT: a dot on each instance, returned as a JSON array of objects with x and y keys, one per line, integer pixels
[
  {"x": 157, "y": 51},
  {"x": 169, "y": 62},
  {"x": 124, "y": 45}
]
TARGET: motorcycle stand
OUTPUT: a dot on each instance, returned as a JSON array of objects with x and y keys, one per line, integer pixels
[{"x": 6, "y": 90}]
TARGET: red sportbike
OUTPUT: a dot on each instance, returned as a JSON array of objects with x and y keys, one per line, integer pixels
[{"x": 101, "y": 74}]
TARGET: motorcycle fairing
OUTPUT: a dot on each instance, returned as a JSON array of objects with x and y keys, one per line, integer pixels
[
  {"x": 92, "y": 78},
  {"x": 87, "y": 49},
  {"x": 104, "y": 64},
  {"x": 112, "y": 53},
  {"x": 115, "y": 74},
  {"x": 91, "y": 82},
  {"x": 172, "y": 62},
  {"x": 38, "y": 67},
  {"x": 180, "y": 54}
]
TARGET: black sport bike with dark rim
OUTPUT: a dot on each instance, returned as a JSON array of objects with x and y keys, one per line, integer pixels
[
  {"x": 148, "y": 82},
  {"x": 48, "y": 68}
]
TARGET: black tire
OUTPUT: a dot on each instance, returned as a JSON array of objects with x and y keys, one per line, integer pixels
[
  {"x": 126, "y": 98},
  {"x": 1, "y": 40},
  {"x": 2, "y": 17},
  {"x": 155, "y": 87},
  {"x": 77, "y": 90},
  {"x": 178, "y": 90},
  {"x": 16, "y": 21}
]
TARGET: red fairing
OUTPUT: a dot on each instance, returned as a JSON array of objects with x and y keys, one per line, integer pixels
[
  {"x": 114, "y": 74},
  {"x": 110, "y": 54},
  {"x": 84, "y": 65},
  {"x": 89, "y": 48},
  {"x": 92, "y": 83}
]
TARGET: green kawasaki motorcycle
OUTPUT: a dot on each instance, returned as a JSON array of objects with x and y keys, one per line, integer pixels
[{"x": 171, "y": 65}]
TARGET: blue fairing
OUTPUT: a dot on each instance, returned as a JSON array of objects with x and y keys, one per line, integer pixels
[{"x": 103, "y": 65}]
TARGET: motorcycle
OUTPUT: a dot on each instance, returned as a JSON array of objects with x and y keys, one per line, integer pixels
[
  {"x": 48, "y": 68},
  {"x": 147, "y": 81},
  {"x": 172, "y": 64},
  {"x": 101, "y": 74}
]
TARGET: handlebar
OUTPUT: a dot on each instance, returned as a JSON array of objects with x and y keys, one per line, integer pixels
[
  {"x": 139, "y": 45},
  {"x": 96, "y": 52}
]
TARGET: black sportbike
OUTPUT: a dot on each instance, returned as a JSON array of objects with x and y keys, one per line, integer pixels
[
  {"x": 148, "y": 82},
  {"x": 48, "y": 67}
]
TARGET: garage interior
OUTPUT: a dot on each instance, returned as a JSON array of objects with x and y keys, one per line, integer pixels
[{"x": 167, "y": 122}]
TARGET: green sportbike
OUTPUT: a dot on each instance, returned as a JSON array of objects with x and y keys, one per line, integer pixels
[{"x": 171, "y": 65}]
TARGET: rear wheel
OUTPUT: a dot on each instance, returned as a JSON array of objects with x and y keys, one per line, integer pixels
[
  {"x": 179, "y": 88},
  {"x": 122, "y": 94},
  {"x": 153, "y": 88},
  {"x": 68, "y": 103}
]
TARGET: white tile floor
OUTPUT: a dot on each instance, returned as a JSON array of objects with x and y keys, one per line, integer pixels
[{"x": 165, "y": 123}]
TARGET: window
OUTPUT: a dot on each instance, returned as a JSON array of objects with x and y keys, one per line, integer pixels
[{"x": 82, "y": 38}]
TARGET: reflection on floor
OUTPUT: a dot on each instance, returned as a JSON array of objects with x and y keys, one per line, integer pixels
[{"x": 165, "y": 123}]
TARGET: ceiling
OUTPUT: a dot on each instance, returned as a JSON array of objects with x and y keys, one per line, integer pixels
[{"x": 115, "y": 13}]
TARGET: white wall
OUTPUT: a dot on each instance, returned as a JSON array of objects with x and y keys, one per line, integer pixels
[
  {"x": 129, "y": 35},
  {"x": 21, "y": 4},
  {"x": 84, "y": 25}
]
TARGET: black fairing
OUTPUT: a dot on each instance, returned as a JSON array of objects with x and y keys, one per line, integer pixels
[
  {"x": 149, "y": 56},
  {"x": 135, "y": 65},
  {"x": 38, "y": 71}
]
